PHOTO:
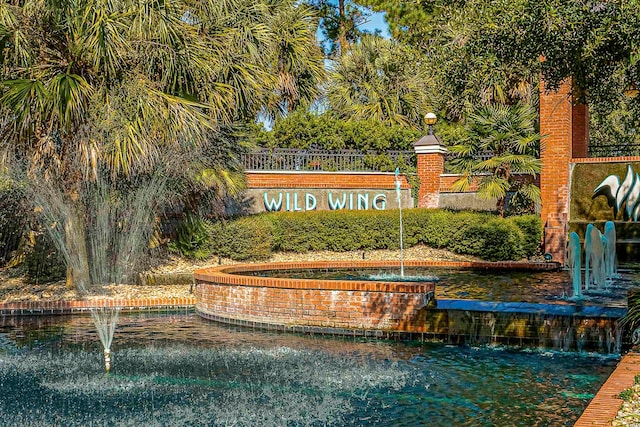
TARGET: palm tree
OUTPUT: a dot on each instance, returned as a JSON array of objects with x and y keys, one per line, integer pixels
[
  {"x": 382, "y": 80},
  {"x": 101, "y": 101},
  {"x": 502, "y": 144},
  {"x": 296, "y": 59}
]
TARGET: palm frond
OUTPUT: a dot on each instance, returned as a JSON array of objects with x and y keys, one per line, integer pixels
[{"x": 493, "y": 188}]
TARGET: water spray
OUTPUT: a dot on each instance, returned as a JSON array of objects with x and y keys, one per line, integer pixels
[{"x": 399, "y": 196}]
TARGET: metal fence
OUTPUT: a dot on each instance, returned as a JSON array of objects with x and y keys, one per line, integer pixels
[{"x": 288, "y": 159}]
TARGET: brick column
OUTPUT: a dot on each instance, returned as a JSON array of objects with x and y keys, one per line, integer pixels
[
  {"x": 430, "y": 153},
  {"x": 580, "y": 133},
  {"x": 564, "y": 125}
]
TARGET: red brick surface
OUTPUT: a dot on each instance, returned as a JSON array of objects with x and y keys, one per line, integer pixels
[
  {"x": 606, "y": 404},
  {"x": 224, "y": 293},
  {"x": 564, "y": 126},
  {"x": 64, "y": 307},
  {"x": 430, "y": 167},
  {"x": 343, "y": 180},
  {"x": 607, "y": 159},
  {"x": 446, "y": 182}
]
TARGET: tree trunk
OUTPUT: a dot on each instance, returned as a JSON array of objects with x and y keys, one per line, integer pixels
[
  {"x": 500, "y": 205},
  {"x": 78, "y": 276},
  {"x": 342, "y": 30}
]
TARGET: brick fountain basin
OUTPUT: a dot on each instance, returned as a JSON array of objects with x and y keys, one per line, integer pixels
[{"x": 245, "y": 295}]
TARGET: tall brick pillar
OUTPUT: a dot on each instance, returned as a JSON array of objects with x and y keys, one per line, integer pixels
[
  {"x": 430, "y": 153},
  {"x": 565, "y": 125}
]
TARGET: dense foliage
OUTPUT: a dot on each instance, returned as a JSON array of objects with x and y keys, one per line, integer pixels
[
  {"x": 339, "y": 24},
  {"x": 383, "y": 80},
  {"x": 483, "y": 235},
  {"x": 12, "y": 220},
  {"x": 488, "y": 52},
  {"x": 508, "y": 134},
  {"x": 110, "y": 107},
  {"x": 302, "y": 129}
]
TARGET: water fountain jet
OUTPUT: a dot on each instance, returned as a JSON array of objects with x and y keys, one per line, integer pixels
[
  {"x": 574, "y": 256},
  {"x": 611, "y": 261},
  {"x": 101, "y": 233},
  {"x": 596, "y": 258},
  {"x": 399, "y": 196},
  {"x": 105, "y": 320},
  {"x": 587, "y": 256},
  {"x": 599, "y": 255}
]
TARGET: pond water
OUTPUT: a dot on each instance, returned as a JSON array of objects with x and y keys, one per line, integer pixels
[
  {"x": 177, "y": 369},
  {"x": 480, "y": 285}
]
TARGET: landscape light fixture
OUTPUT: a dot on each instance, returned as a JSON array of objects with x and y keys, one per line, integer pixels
[{"x": 430, "y": 119}]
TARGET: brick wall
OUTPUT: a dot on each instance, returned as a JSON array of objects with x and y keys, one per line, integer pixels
[
  {"x": 564, "y": 125},
  {"x": 338, "y": 180},
  {"x": 447, "y": 180},
  {"x": 626, "y": 159},
  {"x": 81, "y": 306},
  {"x": 347, "y": 309},
  {"x": 224, "y": 295},
  {"x": 300, "y": 191},
  {"x": 315, "y": 303},
  {"x": 430, "y": 168},
  {"x": 580, "y": 130}
]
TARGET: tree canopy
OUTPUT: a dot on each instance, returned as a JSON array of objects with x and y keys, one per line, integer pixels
[
  {"x": 382, "y": 80},
  {"x": 103, "y": 101},
  {"x": 489, "y": 51}
]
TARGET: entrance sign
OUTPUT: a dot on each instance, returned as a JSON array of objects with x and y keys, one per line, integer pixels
[{"x": 296, "y": 201}]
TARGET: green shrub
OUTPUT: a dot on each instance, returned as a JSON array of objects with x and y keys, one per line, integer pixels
[
  {"x": 301, "y": 129},
  {"x": 437, "y": 229},
  {"x": 193, "y": 238},
  {"x": 42, "y": 262},
  {"x": 12, "y": 220},
  {"x": 297, "y": 233},
  {"x": 531, "y": 227},
  {"x": 480, "y": 234},
  {"x": 249, "y": 238},
  {"x": 493, "y": 240},
  {"x": 381, "y": 229},
  {"x": 626, "y": 395}
]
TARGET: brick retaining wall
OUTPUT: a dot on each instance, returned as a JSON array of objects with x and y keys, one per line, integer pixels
[
  {"x": 81, "y": 306},
  {"x": 340, "y": 304},
  {"x": 342, "y": 180}
]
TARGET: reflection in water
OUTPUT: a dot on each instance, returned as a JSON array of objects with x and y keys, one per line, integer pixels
[
  {"x": 177, "y": 369},
  {"x": 482, "y": 285}
]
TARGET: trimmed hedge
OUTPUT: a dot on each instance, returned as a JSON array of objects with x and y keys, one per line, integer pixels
[
  {"x": 249, "y": 238},
  {"x": 484, "y": 235}
]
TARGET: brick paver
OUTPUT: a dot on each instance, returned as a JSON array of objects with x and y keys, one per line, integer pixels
[{"x": 605, "y": 405}]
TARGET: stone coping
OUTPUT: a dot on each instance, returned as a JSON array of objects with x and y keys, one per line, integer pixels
[
  {"x": 81, "y": 306},
  {"x": 615, "y": 159},
  {"x": 576, "y": 310},
  {"x": 604, "y": 407},
  {"x": 232, "y": 274}
]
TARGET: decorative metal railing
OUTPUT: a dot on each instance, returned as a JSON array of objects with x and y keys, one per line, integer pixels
[
  {"x": 288, "y": 159},
  {"x": 614, "y": 150}
]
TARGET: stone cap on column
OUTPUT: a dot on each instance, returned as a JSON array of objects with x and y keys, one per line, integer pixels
[{"x": 429, "y": 144}]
